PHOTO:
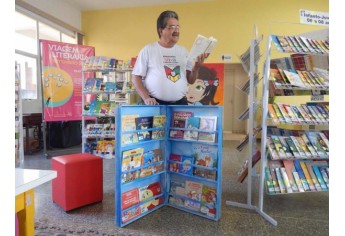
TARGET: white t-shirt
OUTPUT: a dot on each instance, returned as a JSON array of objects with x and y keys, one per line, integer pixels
[{"x": 163, "y": 71}]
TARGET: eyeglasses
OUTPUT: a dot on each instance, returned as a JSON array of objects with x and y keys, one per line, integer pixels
[{"x": 173, "y": 27}]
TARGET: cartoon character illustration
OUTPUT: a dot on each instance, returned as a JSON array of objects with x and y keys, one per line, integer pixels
[
  {"x": 149, "y": 192},
  {"x": 203, "y": 90}
]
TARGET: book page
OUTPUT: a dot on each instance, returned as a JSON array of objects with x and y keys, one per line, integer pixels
[{"x": 201, "y": 45}]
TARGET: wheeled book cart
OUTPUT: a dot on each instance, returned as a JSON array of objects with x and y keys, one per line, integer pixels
[{"x": 143, "y": 185}]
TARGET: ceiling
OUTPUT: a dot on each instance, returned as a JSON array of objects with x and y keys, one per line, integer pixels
[{"x": 85, "y": 5}]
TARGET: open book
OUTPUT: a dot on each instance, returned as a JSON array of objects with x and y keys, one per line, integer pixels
[{"x": 201, "y": 45}]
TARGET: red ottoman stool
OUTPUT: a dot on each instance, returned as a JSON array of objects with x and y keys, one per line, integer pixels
[{"x": 79, "y": 180}]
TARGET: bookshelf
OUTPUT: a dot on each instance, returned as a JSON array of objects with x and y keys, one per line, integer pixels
[
  {"x": 168, "y": 173},
  {"x": 106, "y": 85},
  {"x": 294, "y": 84}
]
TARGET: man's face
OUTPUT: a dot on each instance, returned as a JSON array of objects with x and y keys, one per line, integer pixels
[{"x": 171, "y": 32}]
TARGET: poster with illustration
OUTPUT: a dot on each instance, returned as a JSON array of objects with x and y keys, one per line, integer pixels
[
  {"x": 62, "y": 79},
  {"x": 208, "y": 89}
]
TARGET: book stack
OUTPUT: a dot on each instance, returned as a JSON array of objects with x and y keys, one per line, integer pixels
[{"x": 294, "y": 176}]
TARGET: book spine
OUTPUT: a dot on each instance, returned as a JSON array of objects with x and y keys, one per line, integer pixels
[
  {"x": 274, "y": 181},
  {"x": 269, "y": 181},
  {"x": 285, "y": 114},
  {"x": 298, "y": 180},
  {"x": 309, "y": 145},
  {"x": 292, "y": 147},
  {"x": 278, "y": 146},
  {"x": 278, "y": 112},
  {"x": 280, "y": 180},
  {"x": 299, "y": 148},
  {"x": 286, "y": 147},
  {"x": 307, "y": 176},
  {"x": 273, "y": 153},
  {"x": 301, "y": 175},
  {"x": 324, "y": 176},
  {"x": 319, "y": 178},
  {"x": 286, "y": 180}
]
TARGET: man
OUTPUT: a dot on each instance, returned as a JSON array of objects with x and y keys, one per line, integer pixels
[{"x": 161, "y": 72}]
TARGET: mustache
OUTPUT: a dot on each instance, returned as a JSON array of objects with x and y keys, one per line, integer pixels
[{"x": 176, "y": 34}]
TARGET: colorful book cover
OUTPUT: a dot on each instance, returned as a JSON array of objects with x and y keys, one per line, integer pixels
[
  {"x": 159, "y": 121},
  {"x": 286, "y": 180},
  {"x": 89, "y": 84},
  {"x": 312, "y": 174},
  {"x": 205, "y": 155},
  {"x": 110, "y": 87},
  {"x": 314, "y": 139},
  {"x": 178, "y": 187},
  {"x": 289, "y": 166},
  {"x": 186, "y": 166},
  {"x": 158, "y": 134},
  {"x": 179, "y": 118},
  {"x": 130, "y": 198},
  {"x": 144, "y": 135},
  {"x": 269, "y": 181},
  {"x": 193, "y": 190},
  {"x": 130, "y": 214},
  {"x": 280, "y": 180},
  {"x": 128, "y": 122},
  {"x": 209, "y": 195},
  {"x": 177, "y": 134},
  {"x": 144, "y": 122},
  {"x": 132, "y": 158},
  {"x": 129, "y": 138},
  {"x": 147, "y": 195},
  {"x": 278, "y": 146},
  {"x": 307, "y": 176},
  {"x": 104, "y": 108},
  {"x": 174, "y": 166},
  {"x": 192, "y": 123},
  {"x": 301, "y": 175}
]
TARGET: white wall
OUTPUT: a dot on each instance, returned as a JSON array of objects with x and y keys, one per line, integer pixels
[{"x": 60, "y": 10}]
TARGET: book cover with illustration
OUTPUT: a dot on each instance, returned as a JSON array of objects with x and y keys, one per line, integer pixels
[
  {"x": 159, "y": 121},
  {"x": 147, "y": 195},
  {"x": 128, "y": 122},
  {"x": 144, "y": 122},
  {"x": 179, "y": 118},
  {"x": 130, "y": 198},
  {"x": 132, "y": 158},
  {"x": 173, "y": 165},
  {"x": 192, "y": 123},
  {"x": 209, "y": 195},
  {"x": 186, "y": 166},
  {"x": 205, "y": 155},
  {"x": 129, "y": 138},
  {"x": 193, "y": 190}
]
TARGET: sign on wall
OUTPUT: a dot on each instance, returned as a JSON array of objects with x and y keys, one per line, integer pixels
[
  {"x": 208, "y": 89},
  {"x": 62, "y": 79},
  {"x": 313, "y": 17}
]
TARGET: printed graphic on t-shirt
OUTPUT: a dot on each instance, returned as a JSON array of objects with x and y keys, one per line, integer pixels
[{"x": 173, "y": 74}]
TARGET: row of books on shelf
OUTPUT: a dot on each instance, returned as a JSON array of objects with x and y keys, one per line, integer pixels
[
  {"x": 140, "y": 200},
  {"x": 304, "y": 114},
  {"x": 300, "y": 44},
  {"x": 139, "y": 164},
  {"x": 99, "y": 85},
  {"x": 193, "y": 195},
  {"x": 198, "y": 128},
  {"x": 100, "y": 130},
  {"x": 104, "y": 62},
  {"x": 304, "y": 144},
  {"x": 102, "y": 148},
  {"x": 300, "y": 61},
  {"x": 202, "y": 162},
  {"x": 300, "y": 79},
  {"x": 295, "y": 176},
  {"x": 99, "y": 108}
]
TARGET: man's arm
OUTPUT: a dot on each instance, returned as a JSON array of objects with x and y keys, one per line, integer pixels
[
  {"x": 142, "y": 91},
  {"x": 192, "y": 75}
]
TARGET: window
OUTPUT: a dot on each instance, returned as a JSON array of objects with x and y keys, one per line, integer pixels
[{"x": 28, "y": 31}]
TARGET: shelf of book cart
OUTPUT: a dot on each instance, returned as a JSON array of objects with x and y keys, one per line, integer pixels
[{"x": 132, "y": 182}]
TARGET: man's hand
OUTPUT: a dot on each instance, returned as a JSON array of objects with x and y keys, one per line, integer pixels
[{"x": 150, "y": 101}]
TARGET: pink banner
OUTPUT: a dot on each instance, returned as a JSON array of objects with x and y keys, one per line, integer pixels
[{"x": 62, "y": 79}]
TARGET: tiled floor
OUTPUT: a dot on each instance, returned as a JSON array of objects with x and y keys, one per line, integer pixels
[{"x": 296, "y": 214}]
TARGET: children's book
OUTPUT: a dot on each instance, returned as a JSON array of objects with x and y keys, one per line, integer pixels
[
  {"x": 192, "y": 124},
  {"x": 104, "y": 108},
  {"x": 209, "y": 195},
  {"x": 130, "y": 198},
  {"x": 128, "y": 122},
  {"x": 147, "y": 195},
  {"x": 177, "y": 134},
  {"x": 178, "y": 187},
  {"x": 193, "y": 190},
  {"x": 159, "y": 121},
  {"x": 130, "y": 214},
  {"x": 129, "y": 138},
  {"x": 110, "y": 87},
  {"x": 89, "y": 84},
  {"x": 303, "y": 146},
  {"x": 174, "y": 166},
  {"x": 144, "y": 135},
  {"x": 98, "y": 83},
  {"x": 130, "y": 176},
  {"x": 186, "y": 166},
  {"x": 158, "y": 134},
  {"x": 205, "y": 173},
  {"x": 315, "y": 141},
  {"x": 179, "y": 118},
  {"x": 144, "y": 122},
  {"x": 132, "y": 158},
  {"x": 205, "y": 155},
  {"x": 278, "y": 146}
]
